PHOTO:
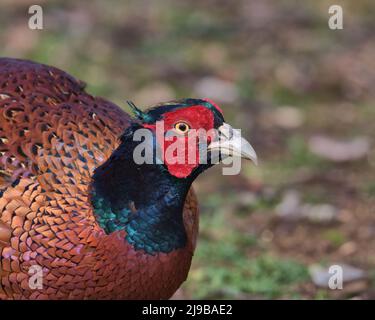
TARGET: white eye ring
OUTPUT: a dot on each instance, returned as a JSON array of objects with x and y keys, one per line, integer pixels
[{"x": 181, "y": 127}]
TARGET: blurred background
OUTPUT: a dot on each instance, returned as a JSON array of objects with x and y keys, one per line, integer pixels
[{"x": 303, "y": 95}]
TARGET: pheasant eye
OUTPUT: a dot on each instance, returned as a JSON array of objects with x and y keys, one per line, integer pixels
[{"x": 182, "y": 127}]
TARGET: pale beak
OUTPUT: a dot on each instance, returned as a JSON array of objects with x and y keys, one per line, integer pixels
[{"x": 231, "y": 144}]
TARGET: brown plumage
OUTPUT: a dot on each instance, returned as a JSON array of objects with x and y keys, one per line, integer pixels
[{"x": 52, "y": 137}]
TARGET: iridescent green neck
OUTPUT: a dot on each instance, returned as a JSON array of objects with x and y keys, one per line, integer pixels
[{"x": 144, "y": 200}]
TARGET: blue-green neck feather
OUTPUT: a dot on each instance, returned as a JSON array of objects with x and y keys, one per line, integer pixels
[{"x": 144, "y": 200}]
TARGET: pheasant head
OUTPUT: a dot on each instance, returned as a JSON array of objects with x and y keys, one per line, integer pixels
[{"x": 190, "y": 135}]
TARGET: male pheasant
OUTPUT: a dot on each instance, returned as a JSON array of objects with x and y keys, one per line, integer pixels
[{"x": 76, "y": 204}]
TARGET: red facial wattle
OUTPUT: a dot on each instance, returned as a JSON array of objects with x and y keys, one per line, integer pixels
[{"x": 197, "y": 117}]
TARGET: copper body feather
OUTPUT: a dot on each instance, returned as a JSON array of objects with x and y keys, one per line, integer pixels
[{"x": 52, "y": 137}]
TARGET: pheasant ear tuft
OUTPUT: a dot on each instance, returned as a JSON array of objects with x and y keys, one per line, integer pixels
[{"x": 139, "y": 114}]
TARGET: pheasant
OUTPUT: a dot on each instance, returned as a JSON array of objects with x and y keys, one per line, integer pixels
[{"x": 75, "y": 203}]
